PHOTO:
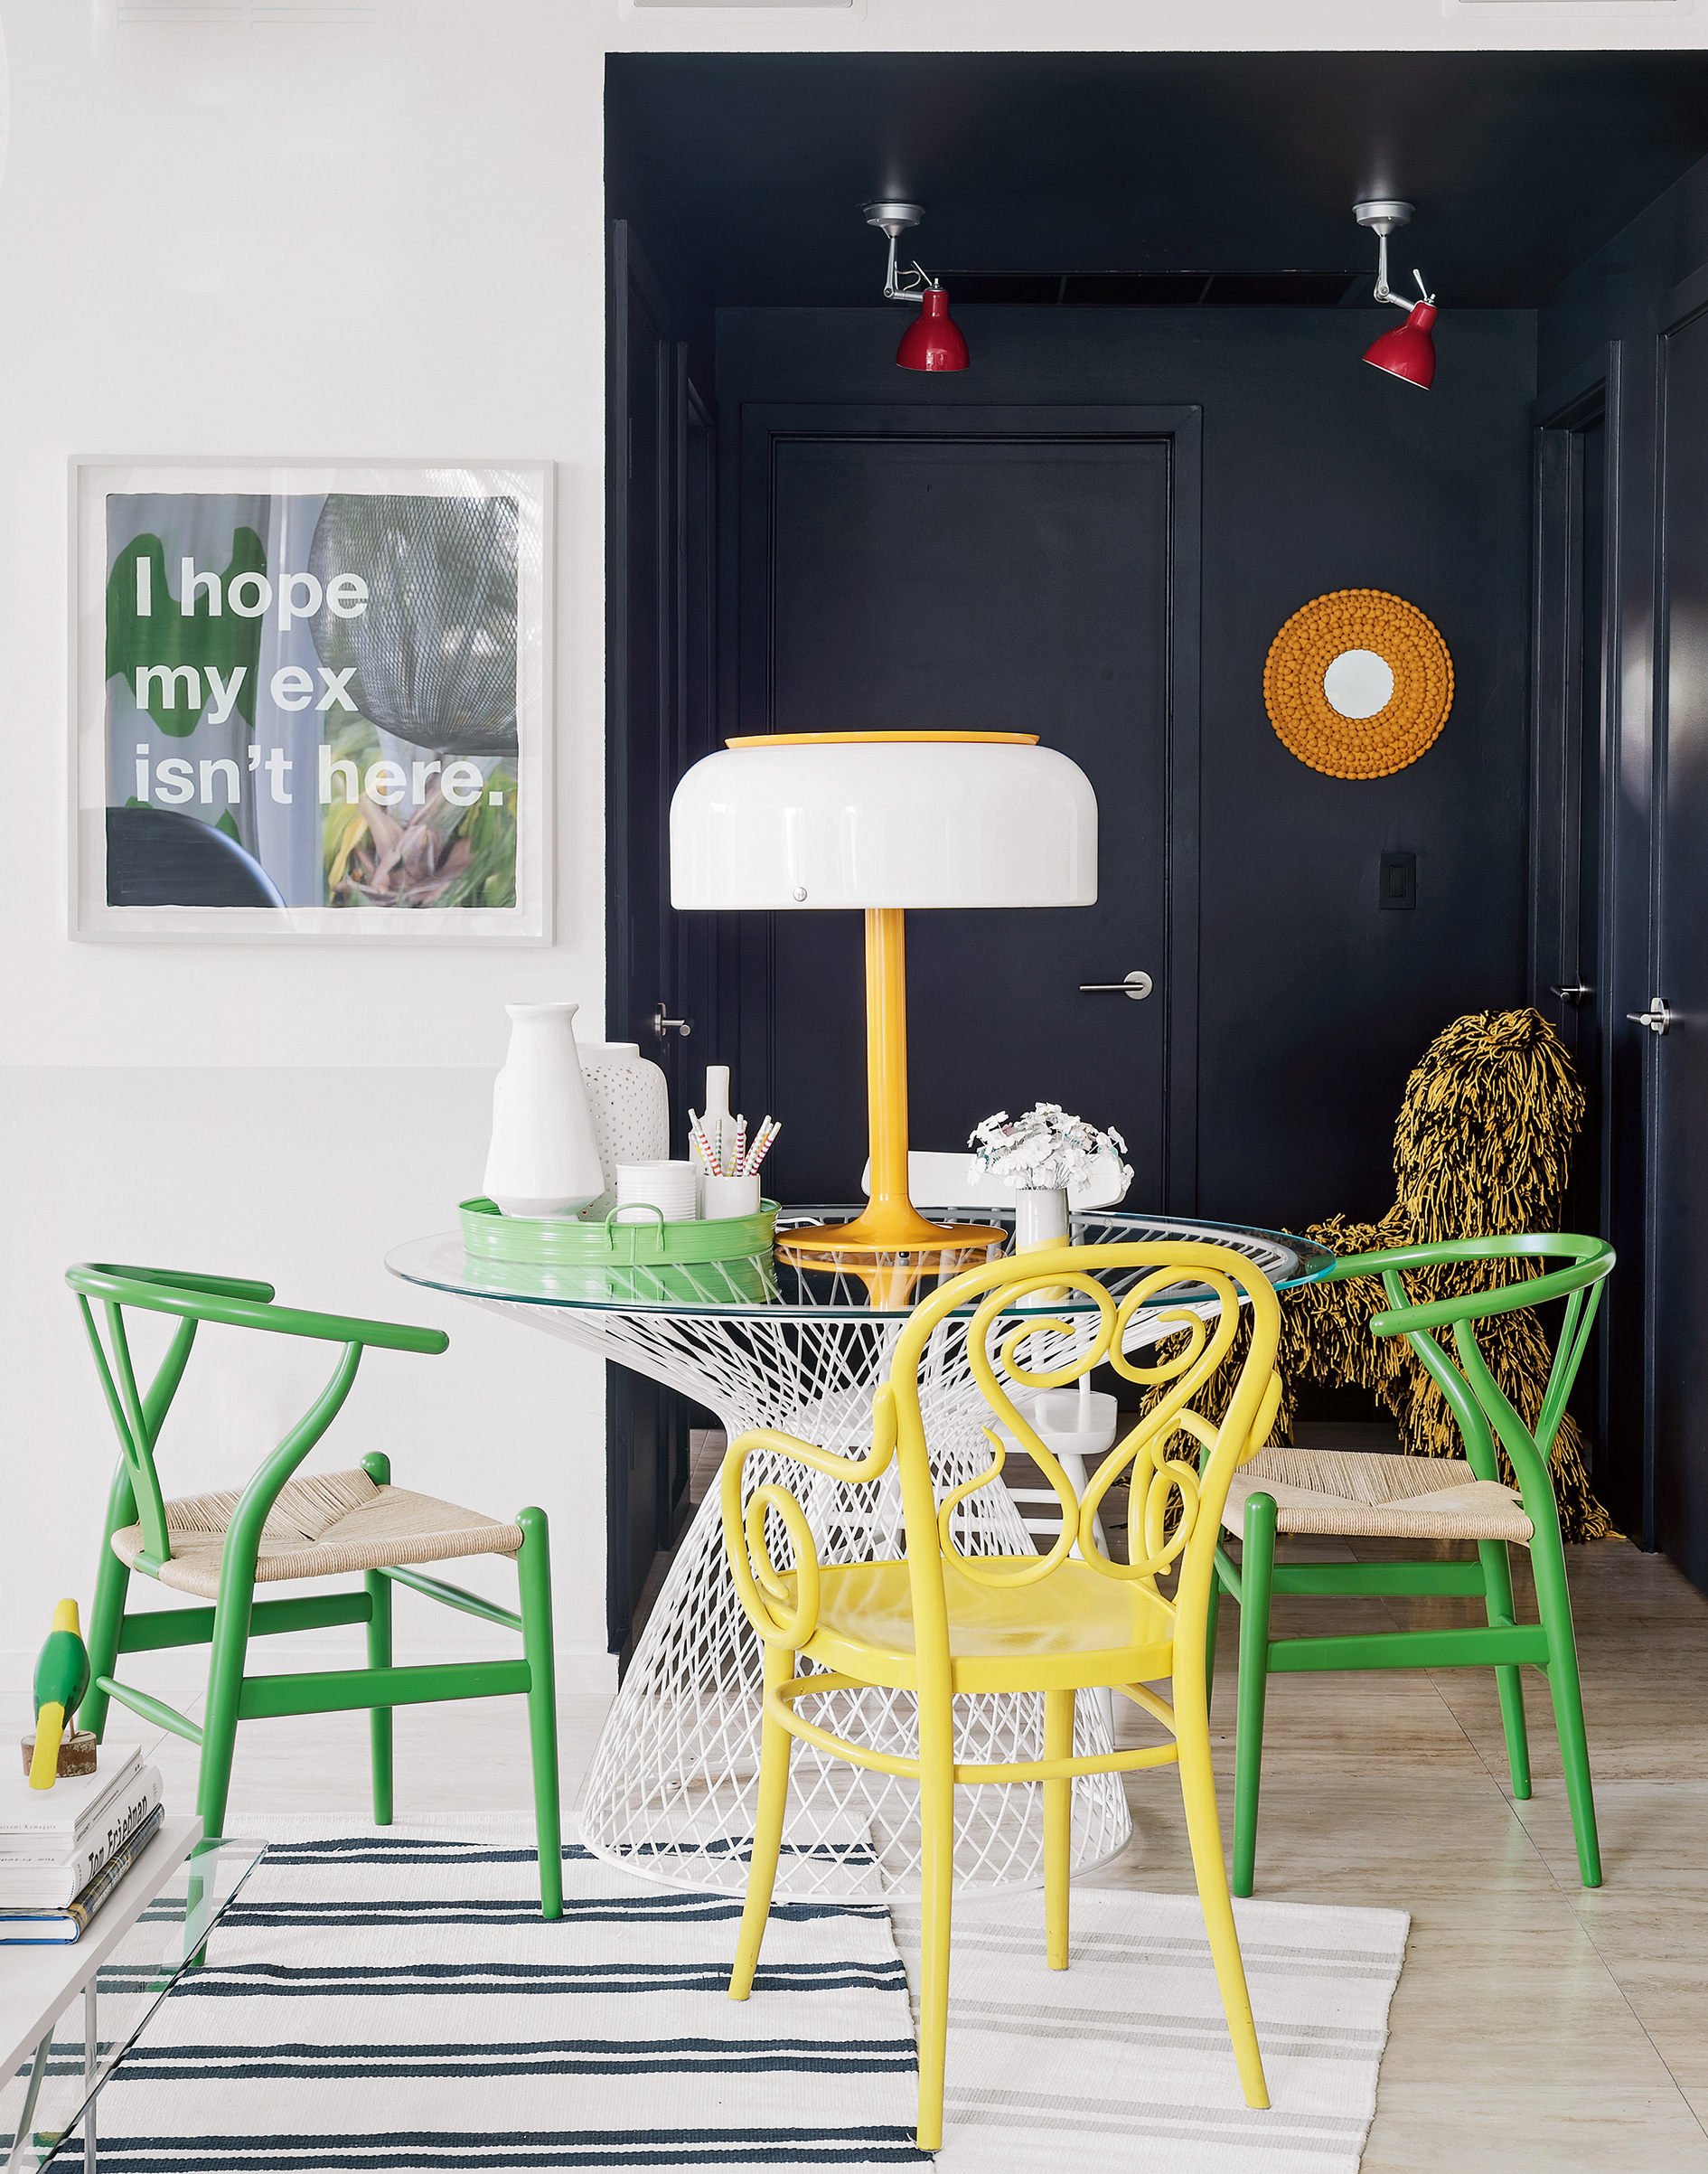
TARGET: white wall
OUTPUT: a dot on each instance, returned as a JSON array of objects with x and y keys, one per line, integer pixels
[
  {"x": 340, "y": 240},
  {"x": 374, "y": 239}
]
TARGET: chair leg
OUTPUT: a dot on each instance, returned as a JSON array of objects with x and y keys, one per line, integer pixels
[
  {"x": 1257, "y": 1570},
  {"x": 1209, "y": 1632},
  {"x": 229, "y": 1650},
  {"x": 775, "y": 1744},
  {"x": 106, "y": 1617},
  {"x": 1058, "y": 1826},
  {"x": 533, "y": 1573},
  {"x": 1554, "y": 1606},
  {"x": 1497, "y": 1599},
  {"x": 380, "y": 1716},
  {"x": 377, "y": 1467},
  {"x": 1204, "y": 1831},
  {"x": 937, "y": 1898}
]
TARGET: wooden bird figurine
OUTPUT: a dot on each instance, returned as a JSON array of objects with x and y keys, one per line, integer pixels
[{"x": 61, "y": 1677}]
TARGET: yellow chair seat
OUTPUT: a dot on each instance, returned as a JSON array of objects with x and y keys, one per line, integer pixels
[{"x": 1097, "y": 1630}]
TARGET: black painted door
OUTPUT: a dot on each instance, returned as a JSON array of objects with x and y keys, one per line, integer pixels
[
  {"x": 1030, "y": 570},
  {"x": 1585, "y": 1009},
  {"x": 1679, "y": 1059},
  {"x": 1570, "y": 983},
  {"x": 659, "y": 582}
]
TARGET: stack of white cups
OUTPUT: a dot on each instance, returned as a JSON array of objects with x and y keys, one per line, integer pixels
[{"x": 669, "y": 1187}]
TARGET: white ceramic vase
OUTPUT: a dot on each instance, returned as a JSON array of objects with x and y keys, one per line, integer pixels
[
  {"x": 544, "y": 1159},
  {"x": 630, "y": 1105},
  {"x": 1040, "y": 1217}
]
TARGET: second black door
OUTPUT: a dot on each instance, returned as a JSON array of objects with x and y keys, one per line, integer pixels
[{"x": 1015, "y": 569}]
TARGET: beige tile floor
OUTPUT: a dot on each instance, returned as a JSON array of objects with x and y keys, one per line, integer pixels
[{"x": 1535, "y": 2025}]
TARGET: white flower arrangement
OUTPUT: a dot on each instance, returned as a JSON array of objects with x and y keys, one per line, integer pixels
[{"x": 1042, "y": 1148}]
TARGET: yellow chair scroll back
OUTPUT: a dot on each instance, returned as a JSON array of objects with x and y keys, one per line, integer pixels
[{"x": 784, "y": 1614}]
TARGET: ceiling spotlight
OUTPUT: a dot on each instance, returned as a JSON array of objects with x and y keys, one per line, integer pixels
[
  {"x": 934, "y": 340},
  {"x": 1407, "y": 352}
]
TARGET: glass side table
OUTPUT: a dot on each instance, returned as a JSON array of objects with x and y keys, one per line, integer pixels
[{"x": 112, "y": 1980}]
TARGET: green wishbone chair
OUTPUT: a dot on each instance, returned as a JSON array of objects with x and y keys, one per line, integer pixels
[
  {"x": 220, "y": 1547},
  {"x": 1338, "y": 1491}
]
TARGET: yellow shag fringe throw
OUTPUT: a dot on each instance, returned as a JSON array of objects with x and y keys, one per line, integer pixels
[{"x": 1483, "y": 1146}]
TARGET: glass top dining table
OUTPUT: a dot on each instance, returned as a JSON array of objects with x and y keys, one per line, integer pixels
[
  {"x": 767, "y": 1344},
  {"x": 882, "y": 1283}
]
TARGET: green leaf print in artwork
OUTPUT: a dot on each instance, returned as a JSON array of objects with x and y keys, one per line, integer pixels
[
  {"x": 439, "y": 854},
  {"x": 203, "y": 641}
]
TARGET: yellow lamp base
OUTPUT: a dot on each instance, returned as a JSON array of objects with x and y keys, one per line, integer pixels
[
  {"x": 889, "y": 1246},
  {"x": 893, "y": 1226},
  {"x": 890, "y": 1269}
]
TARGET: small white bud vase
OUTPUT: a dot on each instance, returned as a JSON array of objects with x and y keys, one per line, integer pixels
[
  {"x": 544, "y": 1159},
  {"x": 1040, "y": 1217}
]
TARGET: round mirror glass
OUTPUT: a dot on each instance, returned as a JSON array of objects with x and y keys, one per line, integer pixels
[{"x": 1358, "y": 683}]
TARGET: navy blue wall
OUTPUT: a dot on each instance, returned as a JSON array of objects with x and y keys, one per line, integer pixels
[
  {"x": 1318, "y": 473},
  {"x": 1611, "y": 293}
]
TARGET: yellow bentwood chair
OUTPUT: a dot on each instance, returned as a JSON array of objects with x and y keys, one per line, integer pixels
[{"x": 940, "y": 1623}]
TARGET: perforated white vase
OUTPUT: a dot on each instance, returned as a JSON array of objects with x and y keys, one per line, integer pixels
[
  {"x": 544, "y": 1159},
  {"x": 630, "y": 1103}
]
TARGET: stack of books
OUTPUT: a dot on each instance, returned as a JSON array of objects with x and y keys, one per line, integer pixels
[{"x": 64, "y": 1850}]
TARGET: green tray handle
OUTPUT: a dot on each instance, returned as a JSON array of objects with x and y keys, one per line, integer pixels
[{"x": 647, "y": 1208}]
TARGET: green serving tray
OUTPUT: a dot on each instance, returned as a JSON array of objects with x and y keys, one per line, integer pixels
[{"x": 633, "y": 1254}]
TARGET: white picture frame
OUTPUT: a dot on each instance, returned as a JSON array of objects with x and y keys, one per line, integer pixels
[{"x": 276, "y": 775}]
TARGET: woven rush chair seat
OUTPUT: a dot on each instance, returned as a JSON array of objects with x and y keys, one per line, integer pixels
[
  {"x": 1366, "y": 1495},
  {"x": 322, "y": 1526}
]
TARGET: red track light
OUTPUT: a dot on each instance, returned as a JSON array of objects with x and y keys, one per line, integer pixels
[
  {"x": 1408, "y": 351},
  {"x": 934, "y": 341}
]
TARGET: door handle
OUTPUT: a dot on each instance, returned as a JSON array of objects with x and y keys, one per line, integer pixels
[
  {"x": 1657, "y": 1019},
  {"x": 1574, "y": 992},
  {"x": 663, "y": 1028},
  {"x": 1137, "y": 985}
]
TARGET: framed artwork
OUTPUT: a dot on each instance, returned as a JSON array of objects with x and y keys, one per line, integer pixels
[{"x": 310, "y": 700}]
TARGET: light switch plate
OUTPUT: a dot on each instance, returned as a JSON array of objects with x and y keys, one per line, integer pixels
[{"x": 1396, "y": 891}]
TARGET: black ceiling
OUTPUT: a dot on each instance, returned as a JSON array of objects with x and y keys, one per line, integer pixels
[{"x": 1521, "y": 164}]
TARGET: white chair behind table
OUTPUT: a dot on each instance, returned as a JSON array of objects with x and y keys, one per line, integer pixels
[{"x": 952, "y": 1181}]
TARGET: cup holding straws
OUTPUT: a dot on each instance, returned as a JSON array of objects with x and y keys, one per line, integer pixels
[{"x": 730, "y": 1185}]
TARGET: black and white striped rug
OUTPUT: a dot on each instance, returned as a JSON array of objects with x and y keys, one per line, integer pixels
[
  {"x": 392, "y": 2003},
  {"x": 384, "y": 2003}
]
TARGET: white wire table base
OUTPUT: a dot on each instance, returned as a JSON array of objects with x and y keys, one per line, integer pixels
[{"x": 671, "y": 1789}]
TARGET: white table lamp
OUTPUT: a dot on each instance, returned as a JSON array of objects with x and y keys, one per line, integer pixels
[{"x": 813, "y": 822}]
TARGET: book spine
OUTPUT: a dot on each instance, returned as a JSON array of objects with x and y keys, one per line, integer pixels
[
  {"x": 54, "y": 1837},
  {"x": 128, "y": 1813},
  {"x": 31, "y": 1886},
  {"x": 105, "y": 1881}
]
